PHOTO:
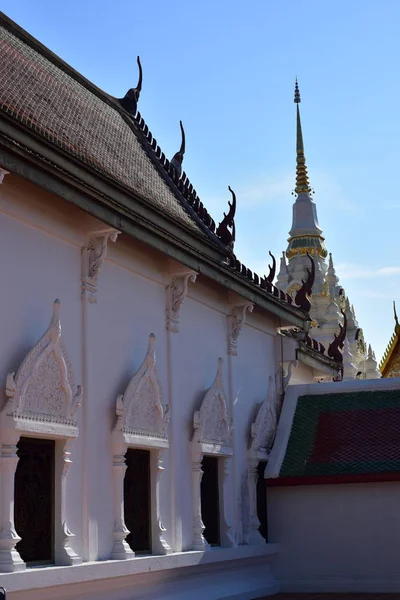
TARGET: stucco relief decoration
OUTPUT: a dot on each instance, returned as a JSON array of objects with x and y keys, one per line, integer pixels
[
  {"x": 236, "y": 320},
  {"x": 176, "y": 293},
  {"x": 212, "y": 434},
  {"x": 263, "y": 429},
  {"x": 142, "y": 421},
  {"x": 262, "y": 436},
  {"x": 211, "y": 424},
  {"x": 93, "y": 257},
  {"x": 3, "y": 173},
  {"x": 140, "y": 409},
  {"x": 42, "y": 400},
  {"x": 43, "y": 388}
]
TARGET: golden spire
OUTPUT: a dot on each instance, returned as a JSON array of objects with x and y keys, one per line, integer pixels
[{"x": 302, "y": 183}]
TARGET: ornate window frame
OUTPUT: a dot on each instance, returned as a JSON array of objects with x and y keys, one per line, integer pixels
[
  {"x": 212, "y": 436},
  {"x": 142, "y": 422},
  {"x": 262, "y": 436},
  {"x": 42, "y": 402}
]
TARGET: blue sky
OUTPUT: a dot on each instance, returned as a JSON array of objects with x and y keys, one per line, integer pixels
[{"x": 227, "y": 69}]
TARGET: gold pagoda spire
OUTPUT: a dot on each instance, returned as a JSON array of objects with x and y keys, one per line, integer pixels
[{"x": 302, "y": 183}]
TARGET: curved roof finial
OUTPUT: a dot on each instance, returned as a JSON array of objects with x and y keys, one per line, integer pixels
[
  {"x": 338, "y": 341},
  {"x": 302, "y": 183},
  {"x": 397, "y": 324},
  {"x": 272, "y": 269},
  {"x": 302, "y": 298},
  {"x": 177, "y": 159},
  {"x": 226, "y": 236},
  {"x": 130, "y": 100}
]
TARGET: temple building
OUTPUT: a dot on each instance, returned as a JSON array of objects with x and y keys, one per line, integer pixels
[
  {"x": 143, "y": 366},
  {"x": 390, "y": 363},
  {"x": 330, "y": 305}
]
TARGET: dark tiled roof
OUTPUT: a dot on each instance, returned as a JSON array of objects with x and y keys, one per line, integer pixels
[
  {"x": 45, "y": 95},
  {"x": 339, "y": 437},
  {"x": 49, "y": 101}
]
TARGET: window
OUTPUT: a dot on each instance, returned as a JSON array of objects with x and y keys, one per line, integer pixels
[
  {"x": 137, "y": 507},
  {"x": 210, "y": 500},
  {"x": 34, "y": 500},
  {"x": 261, "y": 490}
]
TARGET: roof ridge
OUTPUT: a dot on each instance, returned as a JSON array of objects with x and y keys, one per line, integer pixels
[
  {"x": 192, "y": 203},
  {"x": 180, "y": 184}
]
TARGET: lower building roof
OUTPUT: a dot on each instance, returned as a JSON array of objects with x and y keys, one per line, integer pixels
[{"x": 343, "y": 437}]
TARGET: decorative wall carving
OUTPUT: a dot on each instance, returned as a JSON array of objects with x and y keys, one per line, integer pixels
[
  {"x": 236, "y": 320},
  {"x": 263, "y": 429},
  {"x": 43, "y": 391},
  {"x": 3, "y": 173},
  {"x": 176, "y": 294},
  {"x": 212, "y": 435},
  {"x": 140, "y": 410},
  {"x": 142, "y": 421},
  {"x": 262, "y": 436},
  {"x": 93, "y": 257},
  {"x": 42, "y": 401},
  {"x": 211, "y": 424}
]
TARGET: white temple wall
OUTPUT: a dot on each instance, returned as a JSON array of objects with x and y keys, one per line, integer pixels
[
  {"x": 41, "y": 238},
  {"x": 255, "y": 356},
  {"x": 37, "y": 266},
  {"x": 129, "y": 307},
  {"x": 195, "y": 350},
  {"x": 332, "y": 538}
]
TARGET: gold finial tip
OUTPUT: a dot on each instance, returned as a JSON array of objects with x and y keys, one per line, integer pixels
[{"x": 296, "y": 93}]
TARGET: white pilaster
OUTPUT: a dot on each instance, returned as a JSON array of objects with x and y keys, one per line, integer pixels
[
  {"x": 159, "y": 544},
  {"x": 10, "y": 560},
  {"x": 64, "y": 554},
  {"x": 121, "y": 549}
]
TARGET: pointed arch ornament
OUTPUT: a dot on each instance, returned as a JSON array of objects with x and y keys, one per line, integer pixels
[
  {"x": 262, "y": 436},
  {"x": 212, "y": 436},
  {"x": 42, "y": 401},
  {"x": 142, "y": 422}
]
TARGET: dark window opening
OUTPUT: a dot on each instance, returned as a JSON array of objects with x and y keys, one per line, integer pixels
[
  {"x": 34, "y": 500},
  {"x": 137, "y": 509},
  {"x": 210, "y": 500},
  {"x": 262, "y": 501}
]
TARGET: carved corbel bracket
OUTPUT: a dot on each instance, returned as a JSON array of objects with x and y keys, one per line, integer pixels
[
  {"x": 236, "y": 320},
  {"x": 93, "y": 257},
  {"x": 3, "y": 173},
  {"x": 176, "y": 294}
]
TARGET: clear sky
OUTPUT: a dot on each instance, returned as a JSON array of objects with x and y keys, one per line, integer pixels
[{"x": 227, "y": 69}]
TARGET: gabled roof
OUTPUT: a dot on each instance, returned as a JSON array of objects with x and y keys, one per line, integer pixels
[
  {"x": 63, "y": 133},
  {"x": 387, "y": 367},
  {"x": 61, "y": 108},
  {"x": 390, "y": 363},
  {"x": 342, "y": 437}
]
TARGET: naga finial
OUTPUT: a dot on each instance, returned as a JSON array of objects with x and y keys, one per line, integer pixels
[
  {"x": 226, "y": 229},
  {"x": 272, "y": 270},
  {"x": 130, "y": 100},
  {"x": 302, "y": 298},
  {"x": 338, "y": 342},
  {"x": 177, "y": 160}
]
